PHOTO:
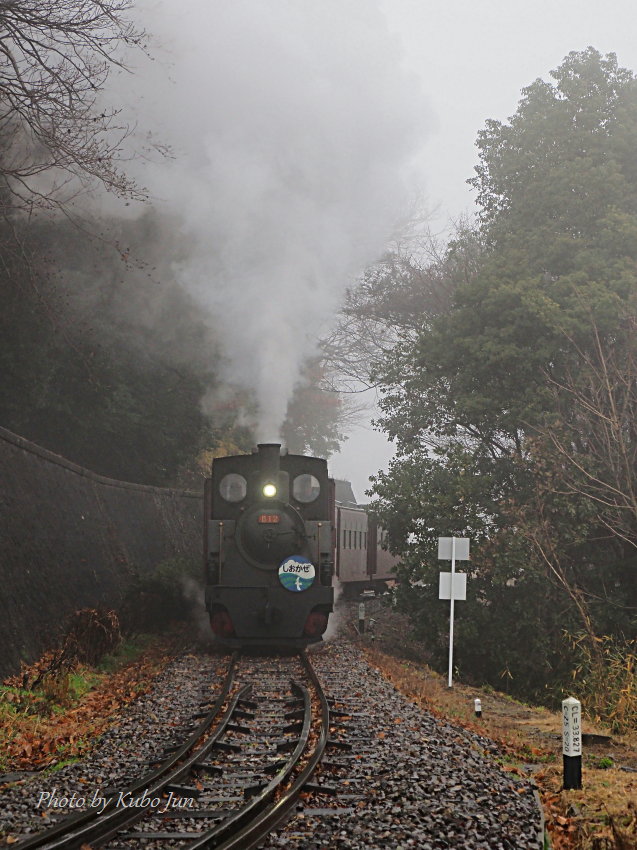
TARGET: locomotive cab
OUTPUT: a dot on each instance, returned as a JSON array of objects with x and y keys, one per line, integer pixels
[{"x": 268, "y": 545}]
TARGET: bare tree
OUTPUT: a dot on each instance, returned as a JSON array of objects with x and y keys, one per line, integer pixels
[
  {"x": 596, "y": 436},
  {"x": 395, "y": 301},
  {"x": 55, "y": 57}
]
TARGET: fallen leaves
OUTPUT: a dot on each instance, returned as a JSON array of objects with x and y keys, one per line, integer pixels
[
  {"x": 32, "y": 741},
  {"x": 562, "y": 829}
]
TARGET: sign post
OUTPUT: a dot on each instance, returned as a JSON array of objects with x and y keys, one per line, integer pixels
[
  {"x": 572, "y": 743},
  {"x": 452, "y": 585}
]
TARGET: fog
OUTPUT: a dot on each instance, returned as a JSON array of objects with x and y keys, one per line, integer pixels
[
  {"x": 301, "y": 133},
  {"x": 293, "y": 130},
  {"x": 473, "y": 60}
]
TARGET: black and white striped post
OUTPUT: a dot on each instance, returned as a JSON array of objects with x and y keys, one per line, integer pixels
[{"x": 572, "y": 743}]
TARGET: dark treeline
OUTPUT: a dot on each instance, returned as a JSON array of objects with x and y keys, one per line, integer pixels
[
  {"x": 105, "y": 358},
  {"x": 508, "y": 375},
  {"x": 108, "y": 361}
]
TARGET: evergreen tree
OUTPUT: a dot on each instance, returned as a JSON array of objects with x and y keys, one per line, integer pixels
[{"x": 481, "y": 404}]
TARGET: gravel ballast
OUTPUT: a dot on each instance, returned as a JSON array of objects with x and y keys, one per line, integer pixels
[
  {"x": 146, "y": 728},
  {"x": 424, "y": 783},
  {"x": 409, "y": 781}
]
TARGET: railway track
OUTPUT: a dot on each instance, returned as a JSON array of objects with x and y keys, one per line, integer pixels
[
  {"x": 391, "y": 776},
  {"x": 236, "y": 777}
]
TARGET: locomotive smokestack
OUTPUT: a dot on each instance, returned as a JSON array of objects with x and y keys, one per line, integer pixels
[{"x": 269, "y": 467}]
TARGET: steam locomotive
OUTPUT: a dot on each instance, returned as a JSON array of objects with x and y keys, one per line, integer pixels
[
  {"x": 274, "y": 535},
  {"x": 269, "y": 545}
]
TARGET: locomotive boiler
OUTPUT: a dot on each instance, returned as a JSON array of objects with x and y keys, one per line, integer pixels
[{"x": 269, "y": 548}]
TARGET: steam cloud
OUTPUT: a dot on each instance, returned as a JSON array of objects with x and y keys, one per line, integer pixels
[{"x": 294, "y": 128}]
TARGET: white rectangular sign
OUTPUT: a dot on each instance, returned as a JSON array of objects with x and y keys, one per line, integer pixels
[
  {"x": 461, "y": 552},
  {"x": 459, "y": 586}
]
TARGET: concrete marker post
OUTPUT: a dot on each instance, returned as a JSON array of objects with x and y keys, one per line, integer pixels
[
  {"x": 572, "y": 743},
  {"x": 361, "y": 618}
]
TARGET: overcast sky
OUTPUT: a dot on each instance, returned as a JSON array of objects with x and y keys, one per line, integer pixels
[{"x": 472, "y": 58}]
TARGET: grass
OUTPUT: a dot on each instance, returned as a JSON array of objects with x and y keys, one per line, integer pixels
[
  {"x": 60, "y": 720},
  {"x": 54, "y": 768},
  {"x": 127, "y": 652}
]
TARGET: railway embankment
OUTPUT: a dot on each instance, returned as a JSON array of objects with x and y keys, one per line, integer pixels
[
  {"x": 70, "y": 538},
  {"x": 527, "y": 739}
]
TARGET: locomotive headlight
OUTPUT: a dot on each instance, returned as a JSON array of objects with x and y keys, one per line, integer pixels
[{"x": 269, "y": 491}]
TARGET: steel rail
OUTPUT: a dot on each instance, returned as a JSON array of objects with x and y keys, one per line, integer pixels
[
  {"x": 120, "y": 818},
  {"x": 237, "y": 822},
  {"x": 63, "y": 834},
  {"x": 272, "y": 812}
]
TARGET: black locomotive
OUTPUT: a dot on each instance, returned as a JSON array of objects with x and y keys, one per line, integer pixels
[{"x": 269, "y": 544}]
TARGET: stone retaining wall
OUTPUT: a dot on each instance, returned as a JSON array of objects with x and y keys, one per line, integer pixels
[{"x": 70, "y": 539}]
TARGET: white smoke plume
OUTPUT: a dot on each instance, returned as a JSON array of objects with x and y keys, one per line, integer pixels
[{"x": 294, "y": 129}]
